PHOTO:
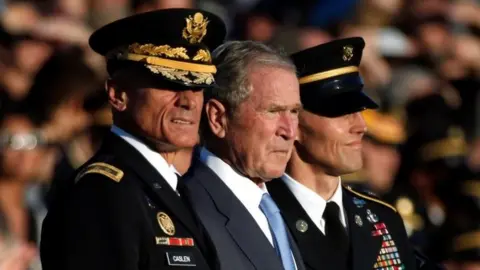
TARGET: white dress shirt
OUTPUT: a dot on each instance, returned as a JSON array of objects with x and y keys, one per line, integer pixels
[
  {"x": 246, "y": 191},
  {"x": 167, "y": 171},
  {"x": 313, "y": 203}
]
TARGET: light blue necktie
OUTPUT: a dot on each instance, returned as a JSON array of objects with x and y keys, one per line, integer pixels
[{"x": 279, "y": 232}]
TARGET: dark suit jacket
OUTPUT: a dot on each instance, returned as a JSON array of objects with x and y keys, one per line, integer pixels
[
  {"x": 239, "y": 242},
  {"x": 368, "y": 245},
  {"x": 100, "y": 222}
]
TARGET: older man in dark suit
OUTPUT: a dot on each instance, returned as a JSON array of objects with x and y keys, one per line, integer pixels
[{"x": 250, "y": 124}]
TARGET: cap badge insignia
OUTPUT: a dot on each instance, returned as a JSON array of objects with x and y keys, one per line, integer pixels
[
  {"x": 196, "y": 28},
  {"x": 347, "y": 53},
  {"x": 166, "y": 223}
]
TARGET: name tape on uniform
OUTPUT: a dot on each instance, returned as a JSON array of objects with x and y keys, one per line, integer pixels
[{"x": 180, "y": 259}]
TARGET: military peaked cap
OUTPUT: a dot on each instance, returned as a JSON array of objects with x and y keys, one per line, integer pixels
[
  {"x": 174, "y": 44},
  {"x": 330, "y": 82}
]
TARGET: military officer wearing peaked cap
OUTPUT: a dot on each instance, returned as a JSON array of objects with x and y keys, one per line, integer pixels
[
  {"x": 124, "y": 209},
  {"x": 335, "y": 226}
]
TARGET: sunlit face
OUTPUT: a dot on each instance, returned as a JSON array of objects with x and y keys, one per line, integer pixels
[
  {"x": 333, "y": 143},
  {"x": 170, "y": 118},
  {"x": 263, "y": 128},
  {"x": 146, "y": 107}
]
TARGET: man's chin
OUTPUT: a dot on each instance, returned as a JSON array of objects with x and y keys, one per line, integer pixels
[
  {"x": 275, "y": 173},
  {"x": 346, "y": 170}
]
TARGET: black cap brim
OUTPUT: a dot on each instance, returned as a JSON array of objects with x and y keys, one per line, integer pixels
[{"x": 342, "y": 104}]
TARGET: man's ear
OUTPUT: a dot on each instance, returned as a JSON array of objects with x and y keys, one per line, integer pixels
[
  {"x": 217, "y": 117},
  {"x": 118, "y": 98}
]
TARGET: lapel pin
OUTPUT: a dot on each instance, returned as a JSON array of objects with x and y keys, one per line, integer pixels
[
  {"x": 358, "y": 202},
  {"x": 149, "y": 202},
  {"x": 301, "y": 225},
  {"x": 372, "y": 217},
  {"x": 166, "y": 223},
  {"x": 358, "y": 220}
]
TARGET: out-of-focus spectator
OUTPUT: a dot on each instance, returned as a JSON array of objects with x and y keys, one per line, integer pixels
[
  {"x": 21, "y": 159},
  {"x": 58, "y": 93},
  {"x": 140, "y": 6},
  {"x": 17, "y": 258},
  {"x": 20, "y": 17}
]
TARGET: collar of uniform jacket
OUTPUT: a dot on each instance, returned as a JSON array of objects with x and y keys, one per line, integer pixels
[
  {"x": 166, "y": 170},
  {"x": 313, "y": 203}
]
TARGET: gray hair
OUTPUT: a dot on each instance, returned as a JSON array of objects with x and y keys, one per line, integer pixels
[{"x": 234, "y": 60}]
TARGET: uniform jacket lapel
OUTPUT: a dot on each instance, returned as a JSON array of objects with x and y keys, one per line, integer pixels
[
  {"x": 307, "y": 236},
  {"x": 296, "y": 252},
  {"x": 364, "y": 247},
  {"x": 157, "y": 187}
]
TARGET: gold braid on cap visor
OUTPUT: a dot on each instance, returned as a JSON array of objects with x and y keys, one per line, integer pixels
[
  {"x": 327, "y": 74},
  {"x": 173, "y": 69}
]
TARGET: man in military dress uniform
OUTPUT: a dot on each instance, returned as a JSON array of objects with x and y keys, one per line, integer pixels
[
  {"x": 335, "y": 226},
  {"x": 124, "y": 209}
]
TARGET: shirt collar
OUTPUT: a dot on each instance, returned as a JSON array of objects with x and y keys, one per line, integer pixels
[
  {"x": 167, "y": 171},
  {"x": 249, "y": 193},
  {"x": 313, "y": 203}
]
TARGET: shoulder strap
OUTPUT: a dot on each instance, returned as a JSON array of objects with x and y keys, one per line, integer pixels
[
  {"x": 102, "y": 168},
  {"x": 370, "y": 198}
]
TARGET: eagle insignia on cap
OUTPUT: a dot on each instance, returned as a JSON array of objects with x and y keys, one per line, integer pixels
[
  {"x": 196, "y": 28},
  {"x": 347, "y": 53}
]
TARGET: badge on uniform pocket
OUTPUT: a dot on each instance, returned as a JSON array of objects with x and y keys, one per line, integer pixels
[{"x": 180, "y": 259}]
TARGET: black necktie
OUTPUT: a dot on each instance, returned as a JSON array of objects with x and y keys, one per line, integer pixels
[
  {"x": 335, "y": 232},
  {"x": 180, "y": 185}
]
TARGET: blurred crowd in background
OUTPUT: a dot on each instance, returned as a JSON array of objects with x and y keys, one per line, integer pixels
[{"x": 421, "y": 63}]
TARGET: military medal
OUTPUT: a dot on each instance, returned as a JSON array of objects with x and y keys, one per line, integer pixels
[
  {"x": 372, "y": 217},
  {"x": 388, "y": 257},
  {"x": 174, "y": 241},
  {"x": 166, "y": 223}
]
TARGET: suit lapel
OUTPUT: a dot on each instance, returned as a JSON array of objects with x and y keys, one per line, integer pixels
[
  {"x": 240, "y": 224},
  {"x": 364, "y": 246},
  {"x": 308, "y": 237},
  {"x": 296, "y": 252},
  {"x": 157, "y": 187}
]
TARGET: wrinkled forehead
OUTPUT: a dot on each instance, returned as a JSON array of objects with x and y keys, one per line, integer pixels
[{"x": 274, "y": 86}]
